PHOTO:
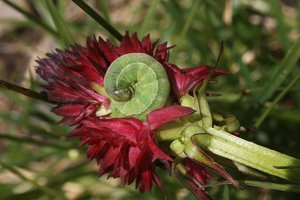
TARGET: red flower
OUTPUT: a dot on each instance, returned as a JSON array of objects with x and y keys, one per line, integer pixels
[
  {"x": 71, "y": 73},
  {"x": 197, "y": 175},
  {"x": 123, "y": 147}
]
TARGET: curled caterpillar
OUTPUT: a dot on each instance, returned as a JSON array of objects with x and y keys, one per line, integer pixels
[{"x": 137, "y": 84}]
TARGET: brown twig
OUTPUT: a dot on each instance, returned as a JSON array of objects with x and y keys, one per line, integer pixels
[{"x": 24, "y": 91}]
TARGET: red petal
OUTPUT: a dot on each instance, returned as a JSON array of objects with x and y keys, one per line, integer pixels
[
  {"x": 164, "y": 115},
  {"x": 184, "y": 80}
]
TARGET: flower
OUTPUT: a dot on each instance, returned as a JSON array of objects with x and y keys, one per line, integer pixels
[
  {"x": 197, "y": 175},
  {"x": 184, "y": 80},
  {"x": 123, "y": 147}
]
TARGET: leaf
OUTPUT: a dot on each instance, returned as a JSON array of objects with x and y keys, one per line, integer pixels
[
  {"x": 146, "y": 25},
  {"x": 281, "y": 73},
  {"x": 60, "y": 24},
  {"x": 276, "y": 101},
  {"x": 32, "y": 18}
]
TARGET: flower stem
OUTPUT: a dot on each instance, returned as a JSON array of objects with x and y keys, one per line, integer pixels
[
  {"x": 98, "y": 18},
  {"x": 234, "y": 148},
  {"x": 24, "y": 91}
]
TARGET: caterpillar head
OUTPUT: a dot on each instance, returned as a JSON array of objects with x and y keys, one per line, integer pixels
[{"x": 123, "y": 95}]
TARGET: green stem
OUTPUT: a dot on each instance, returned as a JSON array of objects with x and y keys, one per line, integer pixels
[
  {"x": 99, "y": 19},
  {"x": 237, "y": 149}
]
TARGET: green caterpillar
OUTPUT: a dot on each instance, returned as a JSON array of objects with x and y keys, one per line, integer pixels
[{"x": 137, "y": 84}]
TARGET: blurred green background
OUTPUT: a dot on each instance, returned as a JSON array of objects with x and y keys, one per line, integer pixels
[{"x": 262, "y": 47}]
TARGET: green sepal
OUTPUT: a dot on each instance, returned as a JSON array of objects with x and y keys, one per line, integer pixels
[
  {"x": 217, "y": 117},
  {"x": 206, "y": 116},
  {"x": 197, "y": 155},
  {"x": 232, "y": 124},
  {"x": 170, "y": 131},
  {"x": 247, "y": 153},
  {"x": 272, "y": 186},
  {"x": 177, "y": 147},
  {"x": 189, "y": 101}
]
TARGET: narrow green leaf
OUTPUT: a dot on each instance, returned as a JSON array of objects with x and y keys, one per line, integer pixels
[
  {"x": 282, "y": 28},
  {"x": 33, "y": 141},
  {"x": 190, "y": 18},
  {"x": 281, "y": 72},
  {"x": 149, "y": 16},
  {"x": 226, "y": 193},
  {"x": 60, "y": 24},
  {"x": 265, "y": 113},
  {"x": 32, "y": 18},
  {"x": 46, "y": 189}
]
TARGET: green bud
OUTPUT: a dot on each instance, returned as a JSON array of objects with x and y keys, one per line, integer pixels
[
  {"x": 217, "y": 117},
  {"x": 177, "y": 147},
  {"x": 232, "y": 124},
  {"x": 170, "y": 131}
]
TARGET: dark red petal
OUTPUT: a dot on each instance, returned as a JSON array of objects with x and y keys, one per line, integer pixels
[
  {"x": 73, "y": 113},
  {"x": 108, "y": 50},
  {"x": 157, "y": 152},
  {"x": 147, "y": 45},
  {"x": 127, "y": 46},
  {"x": 126, "y": 127},
  {"x": 144, "y": 183},
  {"x": 184, "y": 80},
  {"x": 200, "y": 193},
  {"x": 196, "y": 171},
  {"x": 164, "y": 115}
]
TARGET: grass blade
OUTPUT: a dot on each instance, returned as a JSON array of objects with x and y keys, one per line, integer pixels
[
  {"x": 276, "y": 100},
  {"x": 190, "y": 18},
  {"x": 60, "y": 24},
  {"x": 149, "y": 17},
  {"x": 282, "y": 29},
  {"x": 34, "y": 141},
  {"x": 282, "y": 71},
  {"x": 45, "y": 189},
  {"x": 32, "y": 18}
]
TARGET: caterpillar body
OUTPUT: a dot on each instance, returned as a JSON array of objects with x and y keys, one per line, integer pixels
[{"x": 137, "y": 84}]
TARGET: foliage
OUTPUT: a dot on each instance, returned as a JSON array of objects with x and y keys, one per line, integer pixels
[{"x": 262, "y": 43}]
